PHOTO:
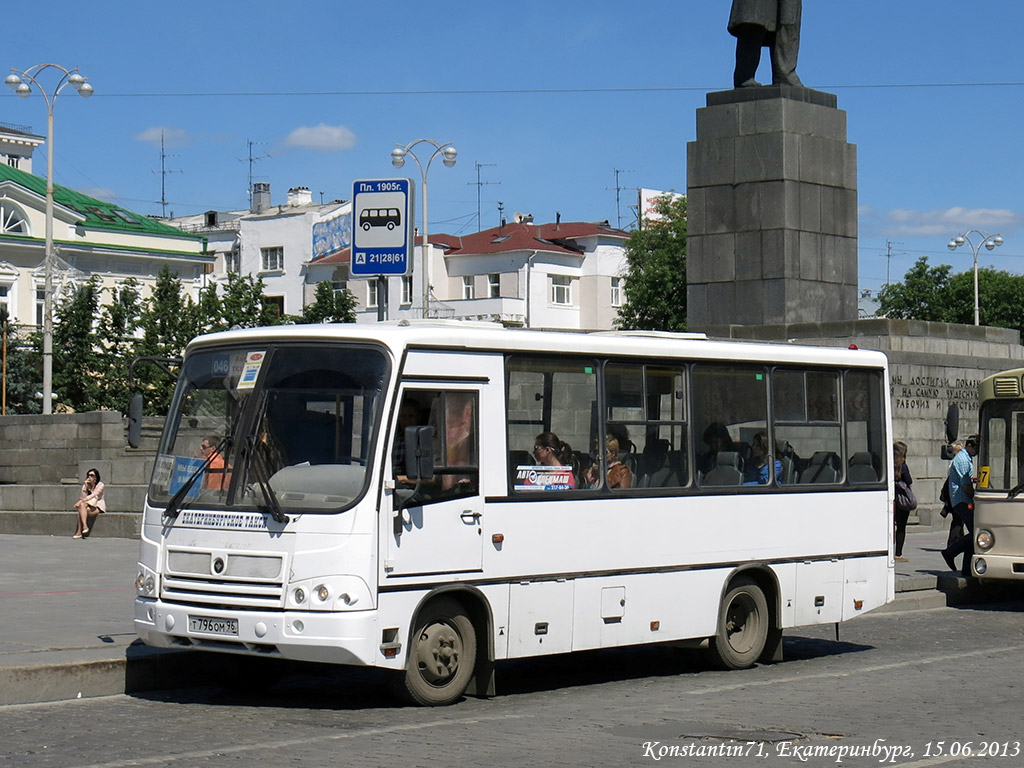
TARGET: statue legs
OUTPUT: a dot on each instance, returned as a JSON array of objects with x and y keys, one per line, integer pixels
[
  {"x": 784, "y": 52},
  {"x": 784, "y": 45}
]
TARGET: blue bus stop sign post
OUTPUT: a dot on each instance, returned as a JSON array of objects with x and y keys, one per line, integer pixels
[{"x": 382, "y": 232}]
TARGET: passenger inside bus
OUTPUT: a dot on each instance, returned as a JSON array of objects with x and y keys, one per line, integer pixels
[
  {"x": 618, "y": 475},
  {"x": 717, "y": 438},
  {"x": 758, "y": 472},
  {"x": 549, "y": 451}
]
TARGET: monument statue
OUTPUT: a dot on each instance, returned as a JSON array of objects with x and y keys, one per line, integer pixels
[{"x": 760, "y": 23}]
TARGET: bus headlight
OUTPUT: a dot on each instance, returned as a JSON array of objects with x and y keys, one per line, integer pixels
[
  {"x": 980, "y": 566},
  {"x": 145, "y": 583},
  {"x": 985, "y": 539}
]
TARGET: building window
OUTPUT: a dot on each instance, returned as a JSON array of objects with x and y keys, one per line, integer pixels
[
  {"x": 406, "y": 290},
  {"x": 12, "y": 160},
  {"x": 616, "y": 292},
  {"x": 272, "y": 259},
  {"x": 371, "y": 294},
  {"x": 561, "y": 290},
  {"x": 277, "y": 302},
  {"x": 231, "y": 261},
  {"x": 467, "y": 287},
  {"x": 12, "y": 221},
  {"x": 339, "y": 287},
  {"x": 40, "y": 306},
  {"x": 494, "y": 285},
  {"x": 5, "y": 299}
]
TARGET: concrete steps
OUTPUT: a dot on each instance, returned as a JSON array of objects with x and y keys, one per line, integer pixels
[{"x": 116, "y": 525}]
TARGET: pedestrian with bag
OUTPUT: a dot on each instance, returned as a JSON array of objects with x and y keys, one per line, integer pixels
[{"x": 904, "y": 501}]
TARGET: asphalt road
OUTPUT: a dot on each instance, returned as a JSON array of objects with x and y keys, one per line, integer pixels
[{"x": 916, "y": 688}]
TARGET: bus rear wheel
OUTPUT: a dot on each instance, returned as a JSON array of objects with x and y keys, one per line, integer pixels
[
  {"x": 743, "y": 625},
  {"x": 441, "y": 656}
]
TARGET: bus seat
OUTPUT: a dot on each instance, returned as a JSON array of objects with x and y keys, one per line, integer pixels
[
  {"x": 788, "y": 468},
  {"x": 822, "y": 469},
  {"x": 862, "y": 468},
  {"x": 728, "y": 470}
]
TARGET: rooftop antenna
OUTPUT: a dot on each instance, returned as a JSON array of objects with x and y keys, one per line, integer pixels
[
  {"x": 163, "y": 176},
  {"x": 501, "y": 212},
  {"x": 252, "y": 159},
  {"x": 618, "y": 190},
  {"x": 479, "y": 184}
]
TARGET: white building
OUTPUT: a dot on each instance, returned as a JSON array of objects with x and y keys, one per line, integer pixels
[
  {"x": 91, "y": 237},
  {"x": 567, "y": 275},
  {"x": 274, "y": 242}
]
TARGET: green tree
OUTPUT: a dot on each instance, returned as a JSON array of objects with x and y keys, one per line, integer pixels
[
  {"x": 24, "y": 368},
  {"x": 933, "y": 293},
  {"x": 120, "y": 320},
  {"x": 76, "y": 364},
  {"x": 656, "y": 277},
  {"x": 167, "y": 322},
  {"x": 330, "y": 306},
  {"x": 244, "y": 305}
]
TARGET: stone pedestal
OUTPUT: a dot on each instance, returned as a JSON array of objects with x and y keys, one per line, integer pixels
[{"x": 772, "y": 210}]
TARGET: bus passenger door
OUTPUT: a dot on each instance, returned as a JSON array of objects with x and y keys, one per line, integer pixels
[{"x": 439, "y": 529}]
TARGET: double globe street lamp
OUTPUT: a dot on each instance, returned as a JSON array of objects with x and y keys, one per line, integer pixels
[
  {"x": 987, "y": 240},
  {"x": 19, "y": 81},
  {"x": 448, "y": 153}
]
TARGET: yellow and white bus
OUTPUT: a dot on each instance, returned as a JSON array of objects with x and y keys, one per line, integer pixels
[
  {"x": 433, "y": 498},
  {"x": 998, "y": 507}
]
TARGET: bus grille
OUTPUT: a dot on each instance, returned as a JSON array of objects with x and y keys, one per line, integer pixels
[
  {"x": 1006, "y": 386},
  {"x": 227, "y": 579}
]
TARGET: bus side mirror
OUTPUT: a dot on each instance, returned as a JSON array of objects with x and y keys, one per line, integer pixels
[
  {"x": 952, "y": 430},
  {"x": 135, "y": 420},
  {"x": 952, "y": 422},
  {"x": 419, "y": 453}
]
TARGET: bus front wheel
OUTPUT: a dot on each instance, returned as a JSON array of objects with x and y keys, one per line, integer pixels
[
  {"x": 441, "y": 655},
  {"x": 743, "y": 626}
]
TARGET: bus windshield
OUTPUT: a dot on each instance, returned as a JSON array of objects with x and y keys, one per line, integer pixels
[
  {"x": 1002, "y": 432},
  {"x": 288, "y": 426}
]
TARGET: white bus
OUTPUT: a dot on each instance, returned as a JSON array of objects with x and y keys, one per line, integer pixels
[
  {"x": 998, "y": 505},
  {"x": 388, "y": 495}
]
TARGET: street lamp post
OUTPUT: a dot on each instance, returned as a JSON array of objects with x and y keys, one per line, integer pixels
[
  {"x": 448, "y": 154},
  {"x": 990, "y": 242},
  {"x": 18, "y": 81}
]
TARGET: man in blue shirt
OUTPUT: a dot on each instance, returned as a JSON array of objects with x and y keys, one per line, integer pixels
[{"x": 961, "y": 497}]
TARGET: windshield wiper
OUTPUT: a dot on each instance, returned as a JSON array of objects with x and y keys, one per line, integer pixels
[
  {"x": 174, "y": 502},
  {"x": 1013, "y": 494},
  {"x": 259, "y": 468}
]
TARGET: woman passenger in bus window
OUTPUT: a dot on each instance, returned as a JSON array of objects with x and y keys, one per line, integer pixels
[
  {"x": 758, "y": 473},
  {"x": 619, "y": 475},
  {"x": 549, "y": 451}
]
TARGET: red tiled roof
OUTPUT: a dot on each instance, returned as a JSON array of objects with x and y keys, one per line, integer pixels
[
  {"x": 344, "y": 256},
  {"x": 552, "y": 238}
]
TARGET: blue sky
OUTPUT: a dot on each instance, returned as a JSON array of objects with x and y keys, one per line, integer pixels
[{"x": 550, "y": 97}]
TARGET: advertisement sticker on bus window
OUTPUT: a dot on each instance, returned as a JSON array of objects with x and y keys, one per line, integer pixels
[
  {"x": 164, "y": 469},
  {"x": 251, "y": 370},
  {"x": 184, "y": 468},
  {"x": 543, "y": 478}
]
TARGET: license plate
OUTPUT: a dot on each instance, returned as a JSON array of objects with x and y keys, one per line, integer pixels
[{"x": 212, "y": 625}]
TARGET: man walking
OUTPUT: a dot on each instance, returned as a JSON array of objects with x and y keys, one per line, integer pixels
[
  {"x": 771, "y": 23},
  {"x": 961, "y": 496}
]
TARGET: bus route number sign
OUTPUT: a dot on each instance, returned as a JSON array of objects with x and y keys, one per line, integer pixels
[{"x": 382, "y": 232}]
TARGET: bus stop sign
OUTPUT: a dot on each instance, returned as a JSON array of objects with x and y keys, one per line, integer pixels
[{"x": 382, "y": 232}]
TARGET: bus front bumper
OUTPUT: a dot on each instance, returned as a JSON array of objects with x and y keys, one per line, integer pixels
[
  {"x": 989, "y": 566},
  {"x": 348, "y": 637}
]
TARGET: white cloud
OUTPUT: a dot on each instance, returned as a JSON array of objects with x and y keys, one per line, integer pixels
[
  {"x": 321, "y": 138},
  {"x": 948, "y": 222},
  {"x": 172, "y": 137}
]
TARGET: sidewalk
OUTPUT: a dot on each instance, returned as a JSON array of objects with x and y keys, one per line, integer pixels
[{"x": 67, "y": 616}]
